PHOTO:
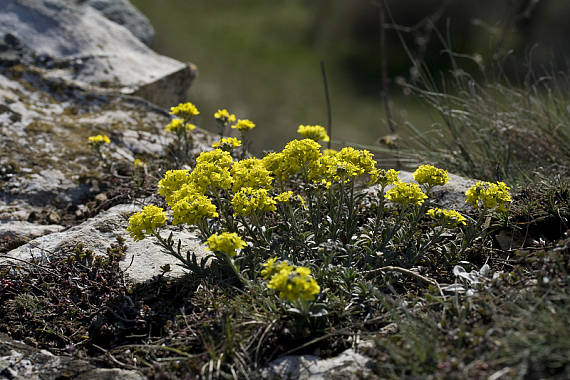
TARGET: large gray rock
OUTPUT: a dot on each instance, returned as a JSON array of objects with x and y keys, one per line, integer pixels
[
  {"x": 19, "y": 361},
  {"x": 350, "y": 364},
  {"x": 143, "y": 259},
  {"x": 47, "y": 170},
  {"x": 124, "y": 13},
  {"x": 75, "y": 42}
]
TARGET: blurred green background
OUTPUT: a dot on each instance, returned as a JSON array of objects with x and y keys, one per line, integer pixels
[{"x": 260, "y": 58}]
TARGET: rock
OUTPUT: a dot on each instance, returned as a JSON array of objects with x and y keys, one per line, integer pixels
[
  {"x": 124, "y": 13},
  {"x": 19, "y": 361},
  {"x": 143, "y": 259},
  {"x": 46, "y": 164},
  {"x": 74, "y": 42},
  {"x": 348, "y": 365}
]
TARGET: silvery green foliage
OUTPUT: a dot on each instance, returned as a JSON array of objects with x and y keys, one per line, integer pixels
[{"x": 468, "y": 282}]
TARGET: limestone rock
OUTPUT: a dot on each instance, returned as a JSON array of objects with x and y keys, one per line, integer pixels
[
  {"x": 19, "y": 361},
  {"x": 350, "y": 364},
  {"x": 124, "y": 13},
  {"x": 75, "y": 42},
  {"x": 143, "y": 258}
]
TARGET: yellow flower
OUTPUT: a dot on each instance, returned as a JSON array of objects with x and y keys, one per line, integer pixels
[
  {"x": 294, "y": 283},
  {"x": 172, "y": 181},
  {"x": 227, "y": 144},
  {"x": 250, "y": 173},
  {"x": 146, "y": 222},
  {"x": 210, "y": 177},
  {"x": 138, "y": 164},
  {"x": 250, "y": 201},
  {"x": 226, "y": 242},
  {"x": 185, "y": 110},
  {"x": 216, "y": 156},
  {"x": 98, "y": 140},
  {"x": 489, "y": 196},
  {"x": 271, "y": 266},
  {"x": 431, "y": 176},
  {"x": 275, "y": 163},
  {"x": 284, "y": 197},
  {"x": 192, "y": 209},
  {"x": 243, "y": 125},
  {"x": 298, "y": 155},
  {"x": 301, "y": 201},
  {"x": 362, "y": 159},
  {"x": 224, "y": 116},
  {"x": 313, "y": 132},
  {"x": 388, "y": 177},
  {"x": 447, "y": 217},
  {"x": 406, "y": 193}
]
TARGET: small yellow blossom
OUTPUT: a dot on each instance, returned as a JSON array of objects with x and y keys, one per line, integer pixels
[
  {"x": 185, "y": 110},
  {"x": 227, "y": 144},
  {"x": 313, "y": 132},
  {"x": 489, "y": 196},
  {"x": 250, "y": 201},
  {"x": 447, "y": 217},
  {"x": 98, "y": 140},
  {"x": 243, "y": 125},
  {"x": 302, "y": 201},
  {"x": 146, "y": 222},
  {"x": 224, "y": 116},
  {"x": 431, "y": 176},
  {"x": 293, "y": 283},
  {"x": 284, "y": 197},
  {"x": 226, "y": 242},
  {"x": 138, "y": 164},
  {"x": 406, "y": 193}
]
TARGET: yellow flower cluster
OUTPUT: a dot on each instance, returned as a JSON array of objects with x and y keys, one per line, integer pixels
[
  {"x": 313, "y": 132},
  {"x": 179, "y": 124},
  {"x": 172, "y": 181},
  {"x": 431, "y": 176},
  {"x": 489, "y": 195},
  {"x": 226, "y": 242},
  {"x": 406, "y": 193},
  {"x": 98, "y": 140},
  {"x": 227, "y": 144},
  {"x": 249, "y": 201},
  {"x": 388, "y": 177},
  {"x": 146, "y": 222},
  {"x": 243, "y": 125},
  {"x": 284, "y": 197},
  {"x": 212, "y": 171},
  {"x": 362, "y": 159},
  {"x": 447, "y": 217},
  {"x": 250, "y": 173},
  {"x": 292, "y": 283},
  {"x": 304, "y": 157},
  {"x": 224, "y": 116},
  {"x": 185, "y": 111},
  {"x": 193, "y": 208}
]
